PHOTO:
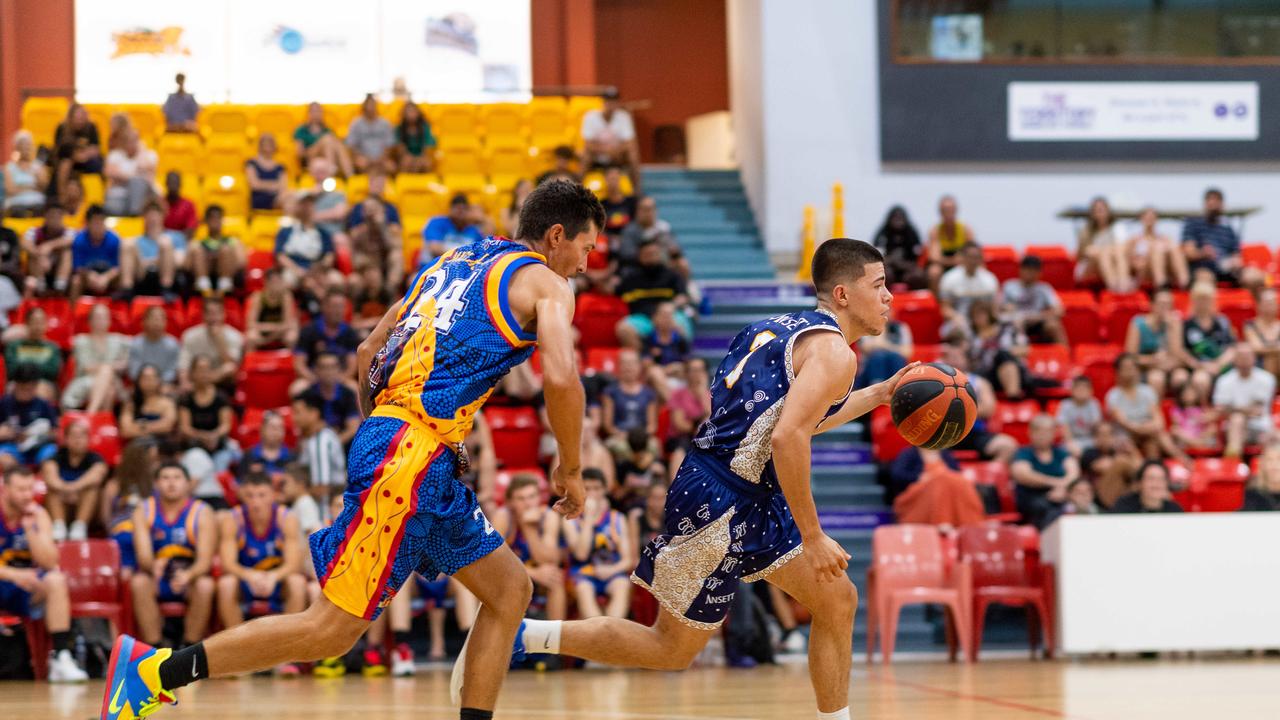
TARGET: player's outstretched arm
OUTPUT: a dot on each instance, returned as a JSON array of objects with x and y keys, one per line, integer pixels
[
  {"x": 367, "y": 350},
  {"x": 825, "y": 369},
  {"x": 864, "y": 401}
]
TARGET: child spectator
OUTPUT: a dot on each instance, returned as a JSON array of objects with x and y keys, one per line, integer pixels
[
  {"x": 74, "y": 477},
  {"x": 628, "y": 403},
  {"x": 295, "y": 492},
  {"x": 270, "y": 455},
  {"x": 667, "y": 343},
  {"x": 1080, "y": 500},
  {"x": 1077, "y": 416},
  {"x": 95, "y": 258},
  {"x": 1192, "y": 424},
  {"x": 600, "y": 553},
  {"x": 216, "y": 258},
  {"x": 1152, "y": 495}
]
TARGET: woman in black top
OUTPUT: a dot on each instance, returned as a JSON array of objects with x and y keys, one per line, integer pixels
[
  {"x": 271, "y": 321},
  {"x": 900, "y": 243},
  {"x": 1263, "y": 494},
  {"x": 1153, "y": 492},
  {"x": 74, "y": 477},
  {"x": 204, "y": 427},
  {"x": 149, "y": 413}
]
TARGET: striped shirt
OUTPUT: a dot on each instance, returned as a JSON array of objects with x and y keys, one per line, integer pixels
[
  {"x": 1219, "y": 235},
  {"x": 323, "y": 456}
]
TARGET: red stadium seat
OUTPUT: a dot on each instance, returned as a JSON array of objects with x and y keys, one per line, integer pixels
[
  {"x": 1238, "y": 305},
  {"x": 92, "y": 568},
  {"x": 926, "y": 353},
  {"x": 258, "y": 262},
  {"x": 602, "y": 360},
  {"x": 1080, "y": 317},
  {"x": 1257, "y": 256},
  {"x": 886, "y": 441},
  {"x": 175, "y": 314},
  {"x": 1097, "y": 362},
  {"x": 1014, "y": 419},
  {"x": 1117, "y": 311},
  {"x": 919, "y": 311},
  {"x": 1059, "y": 268},
  {"x": 264, "y": 379},
  {"x": 1051, "y": 362},
  {"x": 232, "y": 308},
  {"x": 996, "y": 475},
  {"x": 516, "y": 434},
  {"x": 596, "y": 317},
  {"x": 910, "y": 567},
  {"x": 503, "y": 479},
  {"x": 104, "y": 435},
  {"x": 1001, "y": 261},
  {"x": 119, "y": 313},
  {"x": 57, "y": 311},
  {"x": 997, "y": 559}
]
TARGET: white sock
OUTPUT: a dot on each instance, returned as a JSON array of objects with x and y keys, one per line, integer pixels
[
  {"x": 842, "y": 714},
  {"x": 542, "y": 636}
]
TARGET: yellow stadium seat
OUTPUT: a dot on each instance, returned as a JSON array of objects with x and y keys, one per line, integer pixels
[
  {"x": 507, "y": 164},
  {"x": 280, "y": 121},
  {"x": 232, "y": 226},
  {"x": 547, "y": 124},
  {"x": 453, "y": 121},
  {"x": 412, "y": 246},
  {"x": 225, "y": 120},
  {"x": 307, "y": 182},
  {"x": 391, "y": 111},
  {"x": 183, "y": 152},
  {"x": 231, "y": 192},
  {"x": 420, "y": 196},
  {"x": 462, "y": 167},
  {"x": 94, "y": 192},
  {"x": 125, "y": 227},
  {"x": 225, "y": 155},
  {"x": 100, "y": 116},
  {"x": 357, "y": 188},
  {"x": 594, "y": 181},
  {"x": 22, "y": 225},
  {"x": 147, "y": 119},
  {"x": 503, "y": 121},
  {"x": 41, "y": 115},
  {"x": 262, "y": 232},
  {"x": 339, "y": 117}
]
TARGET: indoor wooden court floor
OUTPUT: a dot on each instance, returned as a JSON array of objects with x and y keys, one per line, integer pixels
[{"x": 991, "y": 690}]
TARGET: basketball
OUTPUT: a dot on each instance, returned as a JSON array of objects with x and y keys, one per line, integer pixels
[{"x": 934, "y": 406}]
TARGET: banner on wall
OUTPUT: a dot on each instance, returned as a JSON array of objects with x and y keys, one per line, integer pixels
[
  {"x": 297, "y": 51},
  {"x": 1132, "y": 111}
]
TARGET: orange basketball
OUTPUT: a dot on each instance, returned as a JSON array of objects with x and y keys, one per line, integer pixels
[{"x": 934, "y": 406}]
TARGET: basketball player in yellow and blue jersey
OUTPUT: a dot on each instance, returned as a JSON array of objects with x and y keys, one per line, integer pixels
[
  {"x": 430, "y": 364},
  {"x": 740, "y": 507},
  {"x": 261, "y": 550}
]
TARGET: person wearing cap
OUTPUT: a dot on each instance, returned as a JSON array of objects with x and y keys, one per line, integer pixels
[
  {"x": 451, "y": 231},
  {"x": 28, "y": 423},
  {"x": 609, "y": 137}
]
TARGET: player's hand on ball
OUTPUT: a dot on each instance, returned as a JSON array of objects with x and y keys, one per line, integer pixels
[
  {"x": 827, "y": 558},
  {"x": 568, "y": 485},
  {"x": 888, "y": 386}
]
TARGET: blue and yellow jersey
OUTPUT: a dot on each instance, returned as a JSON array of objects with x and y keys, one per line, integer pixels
[
  {"x": 606, "y": 543},
  {"x": 15, "y": 550},
  {"x": 175, "y": 538},
  {"x": 455, "y": 337},
  {"x": 260, "y": 552},
  {"x": 121, "y": 530}
]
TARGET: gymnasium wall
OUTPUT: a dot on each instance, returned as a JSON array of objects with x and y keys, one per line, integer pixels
[{"x": 819, "y": 96}]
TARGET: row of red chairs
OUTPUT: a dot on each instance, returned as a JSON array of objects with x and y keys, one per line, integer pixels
[
  {"x": 965, "y": 571},
  {"x": 1059, "y": 265},
  {"x": 66, "y": 319}
]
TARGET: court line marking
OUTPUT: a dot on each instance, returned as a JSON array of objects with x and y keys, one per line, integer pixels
[
  {"x": 988, "y": 699},
  {"x": 620, "y": 715}
]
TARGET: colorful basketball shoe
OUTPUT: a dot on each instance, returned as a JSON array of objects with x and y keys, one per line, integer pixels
[{"x": 133, "y": 680}]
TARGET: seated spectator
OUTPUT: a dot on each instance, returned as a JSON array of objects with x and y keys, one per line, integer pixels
[
  {"x": 1102, "y": 255},
  {"x": 149, "y": 412},
  {"x": 216, "y": 259},
  {"x": 1152, "y": 495},
  {"x": 1263, "y": 332},
  {"x": 180, "y": 214},
  {"x": 1244, "y": 393},
  {"x": 562, "y": 160},
  {"x": 219, "y": 344},
  {"x": 373, "y": 294},
  {"x": 988, "y": 445},
  {"x": 946, "y": 240},
  {"x": 319, "y": 449},
  {"x": 1110, "y": 463},
  {"x": 885, "y": 354},
  {"x": 271, "y": 318},
  {"x": 482, "y": 476},
  {"x": 341, "y": 408},
  {"x": 1212, "y": 247},
  {"x": 646, "y": 227},
  {"x": 270, "y": 455},
  {"x": 295, "y": 493},
  {"x": 314, "y": 140},
  {"x": 371, "y": 139},
  {"x": 687, "y": 395},
  {"x": 331, "y": 205},
  {"x": 1192, "y": 422},
  {"x": 48, "y": 250},
  {"x": 118, "y": 127},
  {"x": 667, "y": 343},
  {"x": 643, "y": 288},
  {"x": 649, "y": 520},
  {"x": 600, "y": 553},
  {"x": 72, "y": 200},
  {"x": 1154, "y": 257},
  {"x": 25, "y": 179},
  {"x": 415, "y": 145},
  {"x": 1135, "y": 408},
  {"x": 1263, "y": 493},
  {"x": 261, "y": 555},
  {"x": 638, "y": 467},
  {"x": 1208, "y": 338},
  {"x": 123, "y": 493},
  {"x": 130, "y": 176},
  {"x": 904, "y": 470},
  {"x": 175, "y": 538},
  {"x": 1078, "y": 415},
  {"x": 449, "y": 232},
  {"x": 95, "y": 258},
  {"x": 629, "y": 403},
  {"x": 74, "y": 476},
  {"x": 510, "y": 216},
  {"x": 965, "y": 284},
  {"x": 1042, "y": 471},
  {"x": 1033, "y": 305},
  {"x": 78, "y": 133},
  {"x": 328, "y": 333},
  {"x": 101, "y": 359},
  {"x": 155, "y": 347},
  {"x": 899, "y": 242},
  {"x": 1080, "y": 499},
  {"x": 532, "y": 531},
  {"x": 266, "y": 176},
  {"x": 29, "y": 574},
  {"x": 149, "y": 263},
  {"x": 205, "y": 418},
  {"x": 303, "y": 249},
  {"x": 999, "y": 350},
  {"x": 619, "y": 208},
  {"x": 181, "y": 109},
  {"x": 938, "y": 494},
  {"x": 609, "y": 137},
  {"x": 1155, "y": 341},
  {"x": 376, "y": 235},
  {"x": 37, "y": 352}
]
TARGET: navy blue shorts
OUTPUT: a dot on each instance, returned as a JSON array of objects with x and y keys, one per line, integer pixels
[
  {"x": 600, "y": 585},
  {"x": 275, "y": 601},
  {"x": 434, "y": 592},
  {"x": 718, "y": 532},
  {"x": 14, "y": 600}
]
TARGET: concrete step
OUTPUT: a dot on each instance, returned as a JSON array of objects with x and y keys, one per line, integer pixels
[
  {"x": 659, "y": 173},
  {"x": 725, "y": 242},
  {"x": 714, "y": 226},
  {"x": 855, "y": 496},
  {"x": 733, "y": 272},
  {"x": 718, "y": 197}
]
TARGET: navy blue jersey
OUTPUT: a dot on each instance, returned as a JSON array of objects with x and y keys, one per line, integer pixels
[{"x": 747, "y": 394}]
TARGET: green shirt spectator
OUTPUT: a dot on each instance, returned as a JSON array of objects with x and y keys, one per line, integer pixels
[{"x": 40, "y": 354}]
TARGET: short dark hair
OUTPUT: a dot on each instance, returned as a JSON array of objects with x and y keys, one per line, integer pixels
[
  {"x": 212, "y": 209},
  {"x": 172, "y": 464},
  {"x": 1072, "y": 485},
  {"x": 15, "y": 471},
  {"x": 1081, "y": 380},
  {"x": 1214, "y": 192},
  {"x": 841, "y": 260},
  {"x": 459, "y": 199},
  {"x": 1142, "y": 470},
  {"x": 519, "y": 482},
  {"x": 152, "y": 205},
  {"x": 95, "y": 210},
  {"x": 637, "y": 439},
  {"x": 1031, "y": 262},
  {"x": 970, "y": 245},
  {"x": 311, "y": 399},
  {"x": 256, "y": 477},
  {"x": 300, "y": 473},
  {"x": 564, "y": 152},
  {"x": 595, "y": 474},
  {"x": 25, "y": 373},
  {"x": 559, "y": 202},
  {"x": 328, "y": 354},
  {"x": 1123, "y": 357}
]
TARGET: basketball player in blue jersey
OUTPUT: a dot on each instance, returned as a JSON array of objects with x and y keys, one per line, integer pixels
[
  {"x": 430, "y": 364},
  {"x": 740, "y": 507}
]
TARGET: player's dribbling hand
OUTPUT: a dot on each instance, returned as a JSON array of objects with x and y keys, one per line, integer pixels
[
  {"x": 568, "y": 485},
  {"x": 888, "y": 386},
  {"x": 827, "y": 558}
]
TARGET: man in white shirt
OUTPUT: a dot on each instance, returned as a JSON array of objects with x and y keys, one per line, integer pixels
[
  {"x": 130, "y": 175},
  {"x": 1244, "y": 393},
  {"x": 963, "y": 284},
  {"x": 609, "y": 137}
]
